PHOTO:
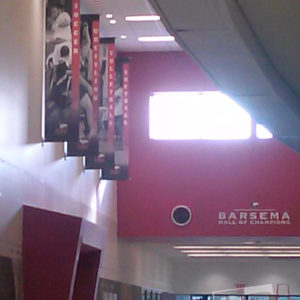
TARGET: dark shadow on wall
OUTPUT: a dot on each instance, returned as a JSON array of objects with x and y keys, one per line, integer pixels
[
  {"x": 114, "y": 290},
  {"x": 7, "y": 286},
  {"x": 12, "y": 231},
  {"x": 34, "y": 93}
]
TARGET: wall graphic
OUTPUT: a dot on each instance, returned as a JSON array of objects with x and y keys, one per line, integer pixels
[
  {"x": 85, "y": 102},
  {"x": 119, "y": 170},
  {"x": 106, "y": 122},
  {"x": 61, "y": 79},
  {"x": 88, "y": 88}
]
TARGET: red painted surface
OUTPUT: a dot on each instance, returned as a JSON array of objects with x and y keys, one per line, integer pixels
[
  {"x": 87, "y": 273},
  {"x": 49, "y": 245},
  {"x": 208, "y": 176}
]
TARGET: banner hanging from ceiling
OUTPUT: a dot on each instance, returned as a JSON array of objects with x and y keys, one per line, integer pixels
[
  {"x": 106, "y": 121},
  {"x": 89, "y": 88},
  {"x": 119, "y": 170},
  {"x": 61, "y": 78}
]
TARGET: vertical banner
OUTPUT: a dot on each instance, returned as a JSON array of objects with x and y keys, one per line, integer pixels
[
  {"x": 61, "y": 79},
  {"x": 111, "y": 94},
  {"x": 119, "y": 171},
  {"x": 105, "y": 155},
  {"x": 125, "y": 104},
  {"x": 89, "y": 88}
]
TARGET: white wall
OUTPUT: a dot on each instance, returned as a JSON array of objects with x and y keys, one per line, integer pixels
[
  {"x": 205, "y": 277},
  {"x": 130, "y": 262},
  {"x": 30, "y": 173},
  {"x": 38, "y": 175}
]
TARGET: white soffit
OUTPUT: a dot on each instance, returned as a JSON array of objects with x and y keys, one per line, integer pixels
[
  {"x": 220, "y": 39},
  {"x": 193, "y": 14},
  {"x": 238, "y": 60},
  {"x": 122, "y": 8},
  {"x": 277, "y": 26}
]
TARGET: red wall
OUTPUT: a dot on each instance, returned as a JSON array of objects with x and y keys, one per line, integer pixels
[
  {"x": 51, "y": 247},
  {"x": 50, "y": 242},
  {"x": 208, "y": 176},
  {"x": 87, "y": 273}
]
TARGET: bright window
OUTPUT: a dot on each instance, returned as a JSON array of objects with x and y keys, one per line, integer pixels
[
  {"x": 262, "y": 132},
  {"x": 197, "y": 115}
]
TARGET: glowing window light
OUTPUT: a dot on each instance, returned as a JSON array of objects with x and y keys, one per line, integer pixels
[
  {"x": 197, "y": 115},
  {"x": 262, "y": 132}
]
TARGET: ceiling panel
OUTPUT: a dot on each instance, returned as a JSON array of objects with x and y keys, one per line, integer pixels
[
  {"x": 277, "y": 23},
  {"x": 189, "y": 14},
  {"x": 273, "y": 113},
  {"x": 224, "y": 54}
]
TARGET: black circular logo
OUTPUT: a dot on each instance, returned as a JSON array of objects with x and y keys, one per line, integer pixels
[{"x": 181, "y": 215}]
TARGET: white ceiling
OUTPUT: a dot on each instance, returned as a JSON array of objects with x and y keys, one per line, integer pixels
[
  {"x": 120, "y": 9},
  {"x": 165, "y": 245}
]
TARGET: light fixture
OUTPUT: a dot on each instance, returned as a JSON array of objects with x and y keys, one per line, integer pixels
[
  {"x": 142, "y": 18},
  {"x": 243, "y": 255},
  {"x": 236, "y": 247},
  {"x": 112, "y": 21},
  {"x": 123, "y": 37},
  {"x": 109, "y": 16},
  {"x": 241, "y": 251},
  {"x": 167, "y": 38}
]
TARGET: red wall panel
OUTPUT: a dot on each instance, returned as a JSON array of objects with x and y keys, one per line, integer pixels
[
  {"x": 208, "y": 176},
  {"x": 87, "y": 273},
  {"x": 50, "y": 242}
]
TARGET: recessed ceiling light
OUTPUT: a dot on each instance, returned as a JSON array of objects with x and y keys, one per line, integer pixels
[
  {"x": 123, "y": 36},
  {"x": 262, "y": 251},
  {"x": 112, "y": 21},
  {"x": 167, "y": 38},
  {"x": 142, "y": 18},
  {"x": 109, "y": 16},
  {"x": 236, "y": 247},
  {"x": 243, "y": 255}
]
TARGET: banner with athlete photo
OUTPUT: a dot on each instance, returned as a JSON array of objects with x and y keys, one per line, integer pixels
[
  {"x": 61, "y": 79},
  {"x": 119, "y": 170},
  {"x": 106, "y": 121},
  {"x": 89, "y": 87}
]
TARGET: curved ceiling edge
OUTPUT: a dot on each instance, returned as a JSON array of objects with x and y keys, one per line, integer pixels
[{"x": 233, "y": 57}]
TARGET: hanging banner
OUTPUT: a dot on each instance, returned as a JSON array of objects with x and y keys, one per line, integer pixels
[
  {"x": 61, "y": 80},
  {"x": 105, "y": 156},
  {"x": 125, "y": 120},
  {"x": 119, "y": 171},
  {"x": 89, "y": 88},
  {"x": 111, "y": 93}
]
